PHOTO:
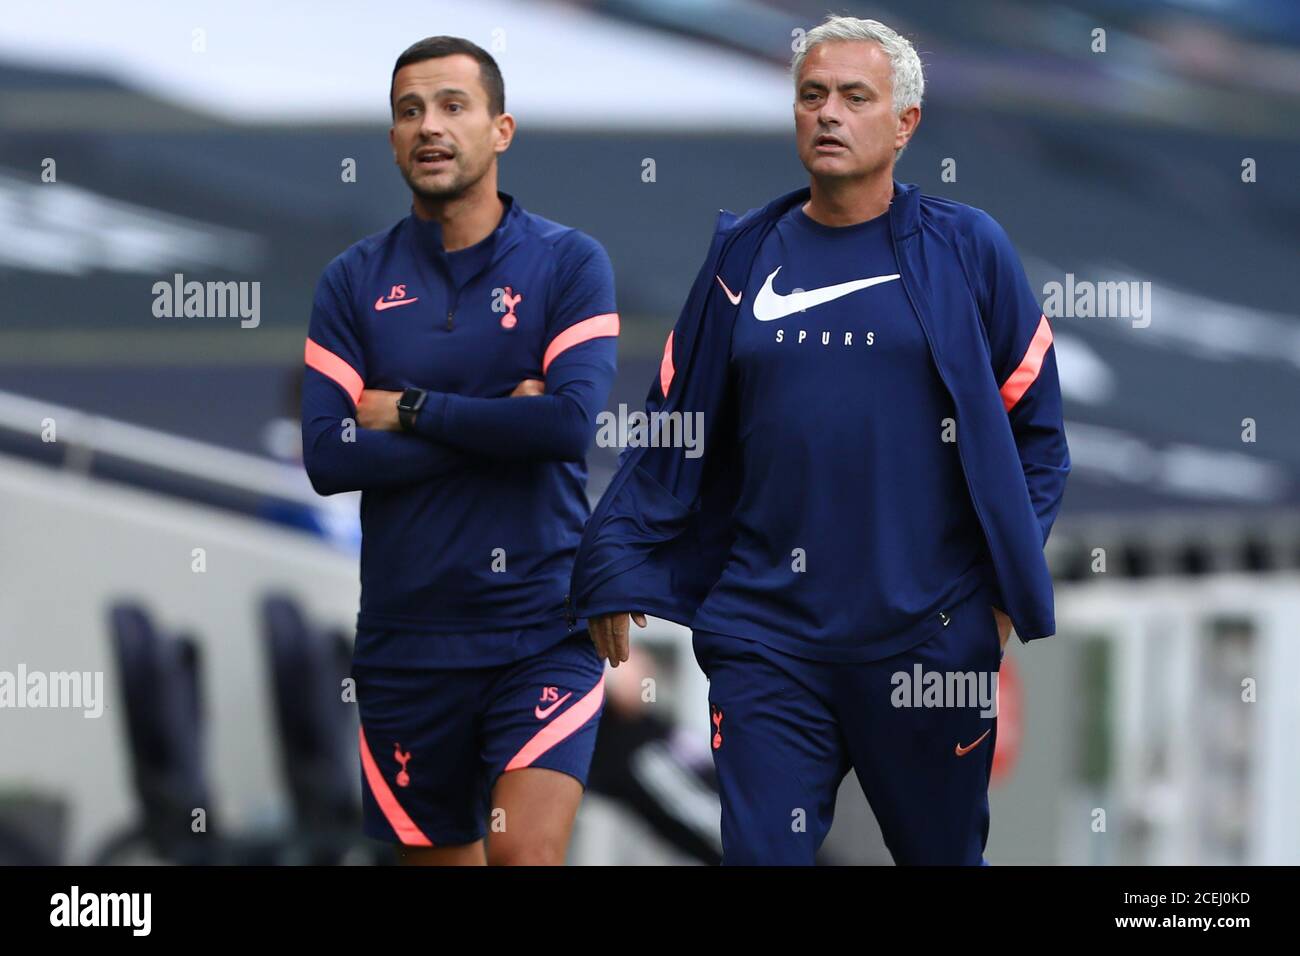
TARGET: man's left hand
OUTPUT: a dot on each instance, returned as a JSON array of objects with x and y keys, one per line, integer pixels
[
  {"x": 1004, "y": 626},
  {"x": 377, "y": 409}
]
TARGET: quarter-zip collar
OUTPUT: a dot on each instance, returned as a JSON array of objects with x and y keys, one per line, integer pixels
[{"x": 427, "y": 233}]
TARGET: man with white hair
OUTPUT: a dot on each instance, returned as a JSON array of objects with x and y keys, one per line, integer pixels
[{"x": 883, "y": 460}]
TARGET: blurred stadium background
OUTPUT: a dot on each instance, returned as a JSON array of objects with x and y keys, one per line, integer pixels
[{"x": 209, "y": 139}]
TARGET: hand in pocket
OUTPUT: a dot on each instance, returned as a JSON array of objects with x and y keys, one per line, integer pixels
[{"x": 1004, "y": 626}]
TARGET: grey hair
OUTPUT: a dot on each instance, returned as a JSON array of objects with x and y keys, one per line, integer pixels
[{"x": 906, "y": 74}]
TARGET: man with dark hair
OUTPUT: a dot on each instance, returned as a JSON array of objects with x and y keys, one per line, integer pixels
[
  {"x": 455, "y": 366},
  {"x": 434, "y": 48}
]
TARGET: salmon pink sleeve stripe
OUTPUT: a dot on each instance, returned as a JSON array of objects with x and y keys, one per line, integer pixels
[
  {"x": 331, "y": 366},
  {"x": 1027, "y": 372},
  {"x": 666, "y": 369},
  {"x": 560, "y": 728},
  {"x": 598, "y": 326},
  {"x": 402, "y": 824}
]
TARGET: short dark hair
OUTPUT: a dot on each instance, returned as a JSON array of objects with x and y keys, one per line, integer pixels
[{"x": 433, "y": 48}]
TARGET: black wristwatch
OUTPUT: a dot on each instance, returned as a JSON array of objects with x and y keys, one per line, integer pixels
[{"x": 409, "y": 405}]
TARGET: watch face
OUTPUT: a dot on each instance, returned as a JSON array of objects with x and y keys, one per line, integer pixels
[{"x": 410, "y": 400}]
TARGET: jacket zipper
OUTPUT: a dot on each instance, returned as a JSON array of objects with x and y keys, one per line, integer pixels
[
  {"x": 979, "y": 514},
  {"x": 625, "y": 467}
]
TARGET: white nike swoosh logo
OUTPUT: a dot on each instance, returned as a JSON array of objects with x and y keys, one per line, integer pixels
[
  {"x": 542, "y": 714},
  {"x": 733, "y": 296},
  {"x": 770, "y": 305}
]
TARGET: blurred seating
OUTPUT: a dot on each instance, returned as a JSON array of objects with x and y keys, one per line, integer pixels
[
  {"x": 317, "y": 728},
  {"x": 161, "y": 685},
  {"x": 164, "y": 715}
]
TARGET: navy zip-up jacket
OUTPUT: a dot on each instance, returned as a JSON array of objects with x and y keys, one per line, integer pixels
[{"x": 661, "y": 534}]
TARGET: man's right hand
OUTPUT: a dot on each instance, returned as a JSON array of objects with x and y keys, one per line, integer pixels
[{"x": 609, "y": 632}]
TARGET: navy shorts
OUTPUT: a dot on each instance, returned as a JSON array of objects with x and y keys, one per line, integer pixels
[
  {"x": 433, "y": 742},
  {"x": 785, "y": 731}
]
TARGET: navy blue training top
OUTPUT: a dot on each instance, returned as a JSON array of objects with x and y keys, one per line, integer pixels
[
  {"x": 854, "y": 522},
  {"x": 469, "y": 524}
]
